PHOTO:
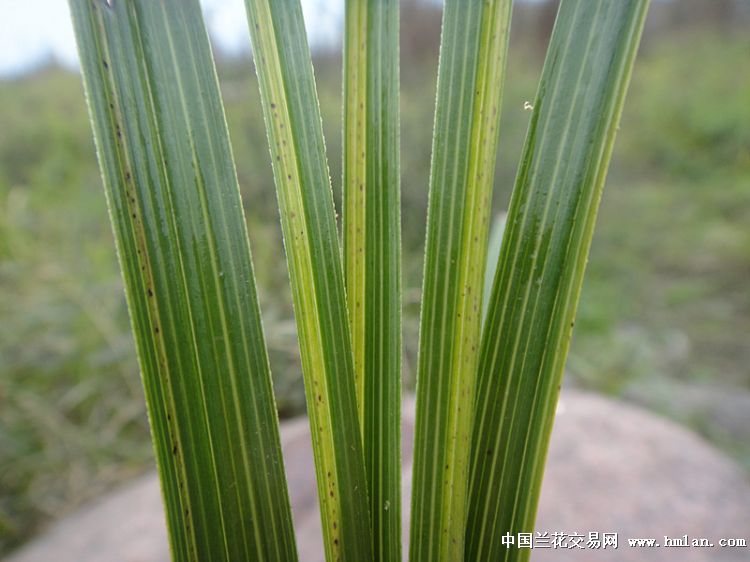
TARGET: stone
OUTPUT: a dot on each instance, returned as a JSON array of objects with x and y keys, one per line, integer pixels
[{"x": 611, "y": 468}]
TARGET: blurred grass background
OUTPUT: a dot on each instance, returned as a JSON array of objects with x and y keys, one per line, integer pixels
[{"x": 664, "y": 318}]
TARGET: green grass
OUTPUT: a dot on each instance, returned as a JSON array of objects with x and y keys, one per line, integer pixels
[
  {"x": 371, "y": 248},
  {"x": 540, "y": 270},
  {"x": 63, "y": 374},
  {"x": 179, "y": 225},
  {"x": 174, "y": 204},
  {"x": 308, "y": 221}
]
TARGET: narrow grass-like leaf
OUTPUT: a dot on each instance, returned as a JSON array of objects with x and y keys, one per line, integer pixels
[
  {"x": 541, "y": 265},
  {"x": 372, "y": 257},
  {"x": 292, "y": 115},
  {"x": 175, "y": 208},
  {"x": 472, "y": 63}
]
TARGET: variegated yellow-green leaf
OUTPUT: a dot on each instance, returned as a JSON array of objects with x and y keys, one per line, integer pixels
[
  {"x": 372, "y": 252},
  {"x": 541, "y": 265},
  {"x": 175, "y": 208},
  {"x": 292, "y": 115},
  {"x": 472, "y": 62}
]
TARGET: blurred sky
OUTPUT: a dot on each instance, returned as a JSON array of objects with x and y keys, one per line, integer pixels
[{"x": 34, "y": 31}]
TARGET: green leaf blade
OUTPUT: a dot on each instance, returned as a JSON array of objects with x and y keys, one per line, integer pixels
[
  {"x": 542, "y": 261},
  {"x": 472, "y": 64},
  {"x": 178, "y": 222},
  {"x": 372, "y": 256},
  {"x": 292, "y": 115}
]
